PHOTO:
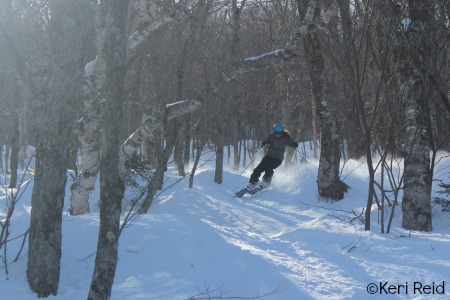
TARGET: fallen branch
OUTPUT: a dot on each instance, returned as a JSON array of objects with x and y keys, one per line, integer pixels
[{"x": 206, "y": 295}]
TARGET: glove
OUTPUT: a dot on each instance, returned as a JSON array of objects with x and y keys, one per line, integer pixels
[{"x": 295, "y": 144}]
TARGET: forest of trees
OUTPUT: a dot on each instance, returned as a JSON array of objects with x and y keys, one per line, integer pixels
[{"x": 103, "y": 87}]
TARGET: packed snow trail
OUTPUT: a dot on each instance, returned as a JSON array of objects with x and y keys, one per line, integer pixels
[{"x": 284, "y": 242}]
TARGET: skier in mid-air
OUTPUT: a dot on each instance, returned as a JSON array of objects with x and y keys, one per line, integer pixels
[{"x": 276, "y": 142}]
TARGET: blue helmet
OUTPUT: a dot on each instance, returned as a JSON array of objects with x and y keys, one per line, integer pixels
[{"x": 278, "y": 128}]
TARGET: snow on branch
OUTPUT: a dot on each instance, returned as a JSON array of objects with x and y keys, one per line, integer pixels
[
  {"x": 326, "y": 18},
  {"x": 152, "y": 122},
  {"x": 312, "y": 22},
  {"x": 150, "y": 22},
  {"x": 254, "y": 63},
  {"x": 276, "y": 53},
  {"x": 143, "y": 11},
  {"x": 310, "y": 11},
  {"x": 134, "y": 142},
  {"x": 144, "y": 31},
  {"x": 177, "y": 109}
]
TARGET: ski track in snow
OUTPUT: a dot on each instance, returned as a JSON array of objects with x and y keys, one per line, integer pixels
[{"x": 302, "y": 267}]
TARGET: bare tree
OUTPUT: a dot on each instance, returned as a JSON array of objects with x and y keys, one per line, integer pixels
[
  {"x": 49, "y": 77},
  {"x": 11, "y": 200},
  {"x": 19, "y": 82},
  {"x": 57, "y": 92},
  {"x": 363, "y": 85}
]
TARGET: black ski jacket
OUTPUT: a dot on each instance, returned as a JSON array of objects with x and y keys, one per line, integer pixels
[{"x": 277, "y": 145}]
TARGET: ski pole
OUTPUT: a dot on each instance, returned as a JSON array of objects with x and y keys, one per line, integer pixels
[{"x": 253, "y": 159}]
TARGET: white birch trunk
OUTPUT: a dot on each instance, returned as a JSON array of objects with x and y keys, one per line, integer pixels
[
  {"x": 416, "y": 202},
  {"x": 90, "y": 146},
  {"x": 93, "y": 93},
  {"x": 329, "y": 184},
  {"x": 150, "y": 22}
]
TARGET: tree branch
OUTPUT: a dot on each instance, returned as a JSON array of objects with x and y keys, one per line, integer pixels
[
  {"x": 206, "y": 295},
  {"x": 150, "y": 22},
  {"x": 276, "y": 57},
  {"x": 153, "y": 121},
  {"x": 310, "y": 25}
]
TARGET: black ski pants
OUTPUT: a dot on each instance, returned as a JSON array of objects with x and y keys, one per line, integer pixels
[{"x": 267, "y": 165}]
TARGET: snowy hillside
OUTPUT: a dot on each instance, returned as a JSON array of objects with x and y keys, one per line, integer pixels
[{"x": 283, "y": 243}]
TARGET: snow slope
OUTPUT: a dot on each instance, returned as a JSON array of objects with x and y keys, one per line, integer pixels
[{"x": 283, "y": 243}]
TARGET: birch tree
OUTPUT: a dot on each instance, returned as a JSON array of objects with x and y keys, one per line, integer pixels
[
  {"x": 142, "y": 19},
  {"x": 414, "y": 79},
  {"x": 88, "y": 134},
  {"x": 329, "y": 184}
]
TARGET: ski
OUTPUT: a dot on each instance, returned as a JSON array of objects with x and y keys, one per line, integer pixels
[
  {"x": 252, "y": 191},
  {"x": 255, "y": 190},
  {"x": 241, "y": 193}
]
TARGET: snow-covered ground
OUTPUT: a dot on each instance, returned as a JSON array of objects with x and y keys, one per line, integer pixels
[{"x": 284, "y": 243}]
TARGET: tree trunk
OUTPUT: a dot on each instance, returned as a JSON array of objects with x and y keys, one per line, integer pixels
[
  {"x": 219, "y": 161},
  {"x": 187, "y": 142},
  {"x": 416, "y": 202},
  {"x": 112, "y": 13},
  {"x": 89, "y": 136},
  {"x": 14, "y": 161},
  {"x": 112, "y": 49},
  {"x": 235, "y": 133},
  {"x": 314, "y": 127},
  {"x": 328, "y": 182},
  {"x": 7, "y": 153},
  {"x": 413, "y": 75},
  {"x": 23, "y": 134},
  {"x": 199, "y": 148},
  {"x": 178, "y": 150},
  {"x": 44, "y": 250},
  {"x": 1, "y": 160},
  {"x": 235, "y": 52},
  {"x": 219, "y": 143},
  {"x": 157, "y": 180},
  {"x": 53, "y": 133},
  {"x": 179, "y": 124}
]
